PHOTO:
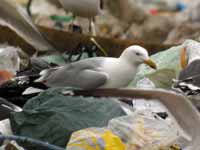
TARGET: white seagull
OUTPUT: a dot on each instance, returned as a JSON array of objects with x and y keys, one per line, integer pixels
[
  {"x": 98, "y": 72},
  {"x": 84, "y": 8}
]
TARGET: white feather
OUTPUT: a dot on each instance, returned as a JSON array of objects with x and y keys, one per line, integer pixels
[{"x": 32, "y": 90}]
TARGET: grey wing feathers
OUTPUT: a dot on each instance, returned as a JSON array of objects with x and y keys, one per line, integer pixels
[
  {"x": 82, "y": 74},
  {"x": 85, "y": 79},
  {"x": 89, "y": 79},
  {"x": 84, "y": 8},
  {"x": 45, "y": 74}
]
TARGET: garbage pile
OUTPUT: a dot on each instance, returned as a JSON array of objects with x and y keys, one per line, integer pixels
[
  {"x": 136, "y": 131},
  {"x": 171, "y": 22},
  {"x": 97, "y": 123},
  {"x": 75, "y": 100}
]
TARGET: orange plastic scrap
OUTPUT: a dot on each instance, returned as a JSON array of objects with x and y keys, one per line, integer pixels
[
  {"x": 5, "y": 76},
  {"x": 95, "y": 139}
]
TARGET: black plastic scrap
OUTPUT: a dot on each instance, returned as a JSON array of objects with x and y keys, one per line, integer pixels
[{"x": 53, "y": 117}]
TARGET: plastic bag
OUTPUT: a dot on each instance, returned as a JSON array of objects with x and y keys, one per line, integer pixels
[
  {"x": 142, "y": 130},
  {"x": 145, "y": 83},
  {"x": 5, "y": 127},
  {"x": 95, "y": 139},
  {"x": 9, "y": 59},
  {"x": 168, "y": 64},
  {"x": 169, "y": 67},
  {"x": 52, "y": 117},
  {"x": 147, "y": 131},
  {"x": 9, "y": 63}
]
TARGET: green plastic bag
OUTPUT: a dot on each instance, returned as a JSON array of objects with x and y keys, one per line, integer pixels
[
  {"x": 168, "y": 66},
  {"x": 52, "y": 117}
]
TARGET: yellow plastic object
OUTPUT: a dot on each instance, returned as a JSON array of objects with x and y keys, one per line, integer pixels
[{"x": 95, "y": 139}]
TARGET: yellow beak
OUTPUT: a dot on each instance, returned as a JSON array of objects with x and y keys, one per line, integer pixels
[
  {"x": 150, "y": 63},
  {"x": 183, "y": 58}
]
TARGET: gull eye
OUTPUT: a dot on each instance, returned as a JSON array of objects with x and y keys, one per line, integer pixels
[{"x": 138, "y": 54}]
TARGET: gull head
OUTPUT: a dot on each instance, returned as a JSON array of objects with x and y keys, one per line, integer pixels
[{"x": 137, "y": 55}]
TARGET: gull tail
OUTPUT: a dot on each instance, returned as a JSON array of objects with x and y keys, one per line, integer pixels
[
  {"x": 45, "y": 74},
  {"x": 42, "y": 79}
]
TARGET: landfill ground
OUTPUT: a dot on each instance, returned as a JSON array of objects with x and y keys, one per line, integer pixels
[{"x": 99, "y": 75}]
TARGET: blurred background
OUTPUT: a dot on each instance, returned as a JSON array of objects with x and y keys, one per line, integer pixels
[{"x": 155, "y": 21}]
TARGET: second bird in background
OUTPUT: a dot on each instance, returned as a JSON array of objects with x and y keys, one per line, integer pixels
[{"x": 85, "y": 8}]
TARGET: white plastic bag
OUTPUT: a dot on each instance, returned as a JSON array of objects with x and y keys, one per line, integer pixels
[
  {"x": 9, "y": 59},
  {"x": 146, "y": 131}
]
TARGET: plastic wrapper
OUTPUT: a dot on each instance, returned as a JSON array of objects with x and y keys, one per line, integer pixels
[
  {"x": 9, "y": 63},
  {"x": 145, "y": 83},
  {"x": 9, "y": 59},
  {"x": 5, "y": 127},
  {"x": 146, "y": 105},
  {"x": 144, "y": 130},
  {"x": 95, "y": 139},
  {"x": 57, "y": 116}
]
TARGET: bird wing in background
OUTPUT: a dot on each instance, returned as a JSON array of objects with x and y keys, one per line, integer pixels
[
  {"x": 13, "y": 15},
  {"x": 83, "y": 8}
]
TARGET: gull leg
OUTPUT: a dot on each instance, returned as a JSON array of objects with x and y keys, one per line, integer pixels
[
  {"x": 28, "y": 7},
  {"x": 92, "y": 29},
  {"x": 35, "y": 55}
]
